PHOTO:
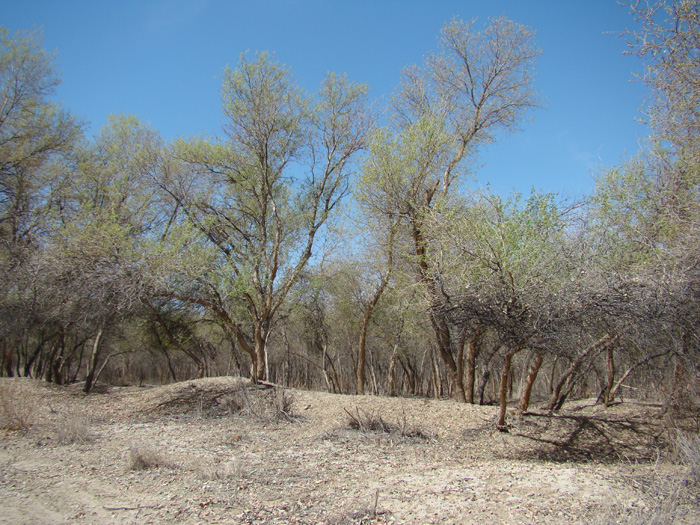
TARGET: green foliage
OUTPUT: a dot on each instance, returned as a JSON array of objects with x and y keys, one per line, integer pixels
[
  {"x": 511, "y": 240},
  {"x": 34, "y": 134}
]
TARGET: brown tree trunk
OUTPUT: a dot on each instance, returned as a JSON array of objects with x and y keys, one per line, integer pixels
[
  {"x": 437, "y": 382},
  {"x": 610, "y": 377},
  {"x": 481, "y": 390},
  {"x": 288, "y": 360},
  {"x": 259, "y": 362},
  {"x": 362, "y": 355},
  {"x": 470, "y": 366},
  {"x": 501, "y": 424},
  {"x": 631, "y": 369},
  {"x": 92, "y": 363},
  {"x": 439, "y": 323},
  {"x": 529, "y": 382},
  {"x": 7, "y": 359},
  {"x": 556, "y": 401},
  {"x": 392, "y": 370}
]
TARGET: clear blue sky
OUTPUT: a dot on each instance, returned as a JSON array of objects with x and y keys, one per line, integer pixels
[{"x": 162, "y": 60}]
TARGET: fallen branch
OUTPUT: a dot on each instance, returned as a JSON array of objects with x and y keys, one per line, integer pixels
[{"x": 138, "y": 507}]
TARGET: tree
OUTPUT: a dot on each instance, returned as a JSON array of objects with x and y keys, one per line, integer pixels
[
  {"x": 93, "y": 268},
  {"x": 36, "y": 138},
  {"x": 476, "y": 88},
  {"x": 504, "y": 269},
  {"x": 668, "y": 43},
  {"x": 260, "y": 199}
]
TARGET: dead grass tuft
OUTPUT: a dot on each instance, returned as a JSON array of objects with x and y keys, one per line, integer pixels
[
  {"x": 73, "y": 428},
  {"x": 687, "y": 445},
  {"x": 145, "y": 458},
  {"x": 17, "y": 407},
  {"x": 369, "y": 421},
  {"x": 225, "y": 471}
]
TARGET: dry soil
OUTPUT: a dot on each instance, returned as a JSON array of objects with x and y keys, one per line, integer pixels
[{"x": 221, "y": 450}]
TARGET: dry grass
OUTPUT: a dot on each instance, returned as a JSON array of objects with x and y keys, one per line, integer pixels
[
  {"x": 369, "y": 421},
  {"x": 142, "y": 457},
  {"x": 225, "y": 471},
  {"x": 17, "y": 407},
  {"x": 73, "y": 428},
  {"x": 687, "y": 446}
]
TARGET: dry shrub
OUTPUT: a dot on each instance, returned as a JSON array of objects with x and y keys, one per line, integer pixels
[
  {"x": 144, "y": 458},
  {"x": 365, "y": 421},
  {"x": 73, "y": 428},
  {"x": 17, "y": 407},
  {"x": 687, "y": 446},
  {"x": 225, "y": 471},
  {"x": 267, "y": 404},
  {"x": 666, "y": 500},
  {"x": 263, "y": 402}
]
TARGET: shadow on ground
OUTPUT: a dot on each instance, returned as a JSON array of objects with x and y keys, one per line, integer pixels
[{"x": 602, "y": 437}]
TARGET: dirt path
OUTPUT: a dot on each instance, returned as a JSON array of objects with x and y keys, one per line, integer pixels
[{"x": 220, "y": 451}]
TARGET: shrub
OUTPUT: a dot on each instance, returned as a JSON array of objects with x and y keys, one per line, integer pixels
[
  {"x": 17, "y": 408},
  {"x": 372, "y": 422},
  {"x": 73, "y": 428},
  {"x": 687, "y": 446},
  {"x": 144, "y": 458}
]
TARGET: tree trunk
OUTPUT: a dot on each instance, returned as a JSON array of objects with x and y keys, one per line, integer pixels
[
  {"x": 600, "y": 345},
  {"x": 480, "y": 391},
  {"x": 259, "y": 362},
  {"x": 437, "y": 382},
  {"x": 392, "y": 371},
  {"x": 438, "y": 321},
  {"x": 501, "y": 424},
  {"x": 364, "y": 326},
  {"x": 631, "y": 369},
  {"x": 610, "y": 376},
  {"x": 288, "y": 355},
  {"x": 7, "y": 359},
  {"x": 92, "y": 363},
  {"x": 470, "y": 366},
  {"x": 529, "y": 382}
]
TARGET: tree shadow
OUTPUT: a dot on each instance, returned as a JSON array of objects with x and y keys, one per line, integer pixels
[{"x": 605, "y": 438}]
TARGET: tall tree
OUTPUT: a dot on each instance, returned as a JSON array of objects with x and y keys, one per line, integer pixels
[
  {"x": 94, "y": 265},
  {"x": 478, "y": 86},
  {"x": 35, "y": 138},
  {"x": 260, "y": 199}
]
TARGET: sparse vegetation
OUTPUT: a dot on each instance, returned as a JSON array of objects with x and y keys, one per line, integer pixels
[
  {"x": 687, "y": 446},
  {"x": 128, "y": 259},
  {"x": 73, "y": 428},
  {"x": 370, "y": 421},
  {"x": 382, "y": 459},
  {"x": 145, "y": 457},
  {"x": 17, "y": 409}
]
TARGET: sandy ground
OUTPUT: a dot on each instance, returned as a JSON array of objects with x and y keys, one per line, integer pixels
[{"x": 221, "y": 451}]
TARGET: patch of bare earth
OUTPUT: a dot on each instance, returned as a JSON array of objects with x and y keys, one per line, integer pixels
[{"x": 222, "y": 451}]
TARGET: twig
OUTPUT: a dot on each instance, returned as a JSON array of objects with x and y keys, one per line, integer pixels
[{"x": 138, "y": 507}]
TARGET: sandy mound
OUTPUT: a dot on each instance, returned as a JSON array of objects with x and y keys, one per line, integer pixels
[{"x": 221, "y": 450}]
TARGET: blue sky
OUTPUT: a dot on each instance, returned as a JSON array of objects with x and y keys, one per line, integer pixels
[{"x": 162, "y": 61}]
